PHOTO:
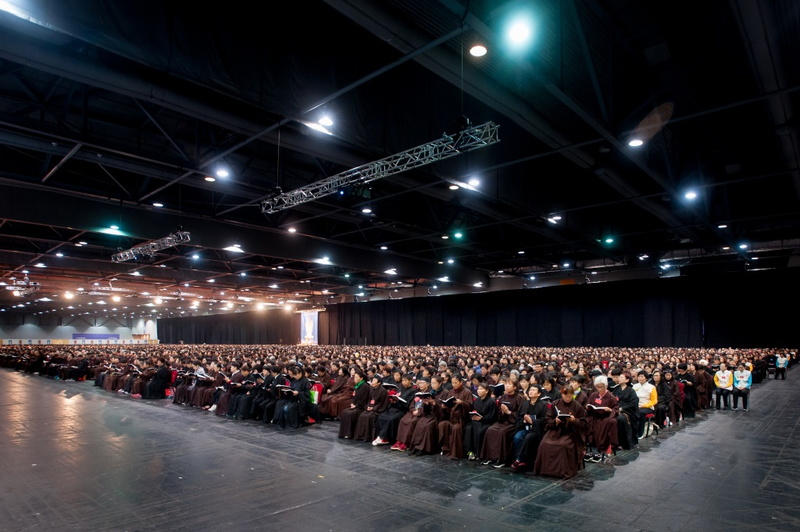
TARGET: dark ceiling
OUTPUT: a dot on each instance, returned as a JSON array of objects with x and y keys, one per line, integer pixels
[{"x": 109, "y": 107}]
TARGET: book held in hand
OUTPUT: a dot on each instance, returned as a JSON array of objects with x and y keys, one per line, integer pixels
[
  {"x": 450, "y": 401},
  {"x": 498, "y": 389},
  {"x": 390, "y": 387},
  {"x": 475, "y": 413},
  {"x": 397, "y": 398},
  {"x": 561, "y": 415}
]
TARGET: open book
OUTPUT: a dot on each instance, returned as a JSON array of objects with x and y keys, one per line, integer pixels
[
  {"x": 474, "y": 413},
  {"x": 562, "y": 416},
  {"x": 450, "y": 401},
  {"x": 397, "y": 398}
]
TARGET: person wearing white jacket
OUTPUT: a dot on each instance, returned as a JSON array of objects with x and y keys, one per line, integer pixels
[{"x": 742, "y": 381}]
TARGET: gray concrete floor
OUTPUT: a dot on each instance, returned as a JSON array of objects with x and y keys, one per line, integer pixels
[{"x": 74, "y": 457}]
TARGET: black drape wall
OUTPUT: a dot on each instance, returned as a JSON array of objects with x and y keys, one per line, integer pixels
[
  {"x": 266, "y": 327},
  {"x": 751, "y": 309}
]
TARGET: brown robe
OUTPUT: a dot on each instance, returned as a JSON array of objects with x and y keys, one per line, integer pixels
[
  {"x": 562, "y": 447},
  {"x": 455, "y": 419},
  {"x": 601, "y": 426},
  {"x": 499, "y": 438},
  {"x": 378, "y": 402}
]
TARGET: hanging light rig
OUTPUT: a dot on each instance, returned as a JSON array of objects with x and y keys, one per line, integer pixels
[
  {"x": 448, "y": 146},
  {"x": 149, "y": 249}
]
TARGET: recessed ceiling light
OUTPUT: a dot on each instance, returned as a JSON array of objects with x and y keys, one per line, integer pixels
[
  {"x": 635, "y": 143},
  {"x": 453, "y": 187},
  {"x": 210, "y": 179}
]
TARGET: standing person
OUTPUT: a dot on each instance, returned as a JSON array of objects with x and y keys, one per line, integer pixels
[
  {"x": 562, "y": 447},
  {"x": 742, "y": 381},
  {"x": 781, "y": 363},
  {"x": 690, "y": 393},
  {"x": 723, "y": 380}
]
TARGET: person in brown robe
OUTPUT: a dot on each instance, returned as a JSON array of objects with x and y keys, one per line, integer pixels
[
  {"x": 414, "y": 409},
  {"x": 457, "y": 403},
  {"x": 336, "y": 389},
  {"x": 562, "y": 447},
  {"x": 425, "y": 439},
  {"x": 601, "y": 429},
  {"x": 378, "y": 402},
  {"x": 358, "y": 402},
  {"x": 497, "y": 449}
]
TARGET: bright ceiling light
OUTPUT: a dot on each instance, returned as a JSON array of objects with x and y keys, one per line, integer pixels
[
  {"x": 635, "y": 143},
  {"x": 390, "y": 271},
  {"x": 453, "y": 187},
  {"x": 222, "y": 173},
  {"x": 236, "y": 248},
  {"x": 210, "y": 179},
  {"x": 292, "y": 230},
  {"x": 474, "y": 182},
  {"x": 323, "y": 260},
  {"x": 690, "y": 195},
  {"x": 478, "y": 50},
  {"x": 157, "y": 204},
  {"x": 316, "y": 127},
  {"x": 366, "y": 210},
  {"x": 326, "y": 121}
]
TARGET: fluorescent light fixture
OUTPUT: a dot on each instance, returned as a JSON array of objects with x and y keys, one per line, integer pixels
[
  {"x": 59, "y": 254},
  {"x": 157, "y": 204},
  {"x": 236, "y": 248},
  {"x": 366, "y": 210},
  {"x": 390, "y": 271}
]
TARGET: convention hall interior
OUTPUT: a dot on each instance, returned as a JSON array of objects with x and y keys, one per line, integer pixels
[{"x": 429, "y": 176}]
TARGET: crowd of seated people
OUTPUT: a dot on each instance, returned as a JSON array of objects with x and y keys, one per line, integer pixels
[{"x": 542, "y": 410}]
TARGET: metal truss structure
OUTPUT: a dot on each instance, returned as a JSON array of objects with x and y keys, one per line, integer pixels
[
  {"x": 149, "y": 249},
  {"x": 448, "y": 146}
]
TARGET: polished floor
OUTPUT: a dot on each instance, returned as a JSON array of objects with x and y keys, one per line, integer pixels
[{"x": 74, "y": 457}]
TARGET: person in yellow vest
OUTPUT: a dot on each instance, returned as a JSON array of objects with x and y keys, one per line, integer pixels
[{"x": 723, "y": 379}]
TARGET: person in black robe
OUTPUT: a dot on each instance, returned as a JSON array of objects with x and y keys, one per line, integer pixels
[
  {"x": 482, "y": 416},
  {"x": 562, "y": 447},
  {"x": 387, "y": 422},
  {"x": 378, "y": 402},
  {"x": 154, "y": 389},
  {"x": 529, "y": 429},
  {"x": 349, "y": 416},
  {"x": 689, "y": 390},
  {"x": 292, "y": 407},
  {"x": 628, "y": 404}
]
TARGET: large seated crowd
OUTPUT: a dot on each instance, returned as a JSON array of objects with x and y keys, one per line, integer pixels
[{"x": 543, "y": 410}]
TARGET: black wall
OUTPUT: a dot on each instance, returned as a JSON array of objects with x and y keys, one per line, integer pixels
[{"x": 752, "y": 309}]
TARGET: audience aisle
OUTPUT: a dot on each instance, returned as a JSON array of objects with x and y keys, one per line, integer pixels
[{"x": 75, "y": 457}]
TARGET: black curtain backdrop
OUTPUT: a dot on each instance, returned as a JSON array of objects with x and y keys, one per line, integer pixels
[{"x": 726, "y": 310}]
